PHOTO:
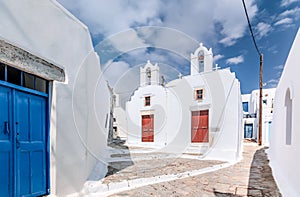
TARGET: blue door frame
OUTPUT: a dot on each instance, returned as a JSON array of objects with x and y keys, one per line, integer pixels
[
  {"x": 24, "y": 141},
  {"x": 248, "y": 130}
]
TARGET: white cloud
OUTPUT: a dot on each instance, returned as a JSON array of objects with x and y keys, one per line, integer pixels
[
  {"x": 263, "y": 29},
  {"x": 290, "y": 13},
  {"x": 288, "y": 18},
  {"x": 127, "y": 41},
  {"x": 235, "y": 60},
  {"x": 114, "y": 71},
  {"x": 285, "y": 21},
  {"x": 228, "y": 41},
  {"x": 279, "y": 67},
  {"x": 272, "y": 83},
  {"x": 218, "y": 57},
  {"x": 287, "y": 2},
  {"x": 232, "y": 17},
  {"x": 124, "y": 79},
  {"x": 196, "y": 18}
]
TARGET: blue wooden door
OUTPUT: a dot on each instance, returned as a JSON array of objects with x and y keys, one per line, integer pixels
[
  {"x": 30, "y": 130},
  {"x": 6, "y": 149},
  {"x": 23, "y": 155},
  {"x": 248, "y": 130}
]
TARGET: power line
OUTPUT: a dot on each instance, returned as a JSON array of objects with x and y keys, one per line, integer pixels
[
  {"x": 250, "y": 28},
  {"x": 260, "y": 79}
]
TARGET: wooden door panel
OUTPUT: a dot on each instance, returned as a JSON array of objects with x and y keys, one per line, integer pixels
[
  {"x": 147, "y": 128},
  {"x": 6, "y": 151},
  {"x": 30, "y": 126},
  {"x": 199, "y": 126},
  {"x": 204, "y": 125}
]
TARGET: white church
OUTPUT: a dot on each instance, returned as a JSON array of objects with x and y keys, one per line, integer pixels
[{"x": 201, "y": 112}]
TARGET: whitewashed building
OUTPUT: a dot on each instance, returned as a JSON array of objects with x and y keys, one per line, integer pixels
[
  {"x": 251, "y": 114},
  {"x": 54, "y": 103},
  {"x": 200, "y": 112},
  {"x": 285, "y": 139},
  {"x": 120, "y": 119}
]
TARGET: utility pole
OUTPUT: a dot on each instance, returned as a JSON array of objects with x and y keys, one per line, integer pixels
[
  {"x": 260, "y": 99},
  {"x": 260, "y": 77}
]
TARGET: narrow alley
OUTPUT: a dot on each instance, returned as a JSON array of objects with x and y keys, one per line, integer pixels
[{"x": 148, "y": 173}]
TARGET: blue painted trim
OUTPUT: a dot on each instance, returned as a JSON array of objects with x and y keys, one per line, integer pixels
[
  {"x": 11, "y": 138},
  {"x": 48, "y": 163},
  {"x": 23, "y": 89},
  {"x": 14, "y": 150}
]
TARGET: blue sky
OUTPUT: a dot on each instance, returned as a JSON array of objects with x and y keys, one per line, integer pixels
[{"x": 128, "y": 33}]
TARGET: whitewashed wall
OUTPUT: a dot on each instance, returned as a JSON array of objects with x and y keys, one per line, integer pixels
[
  {"x": 163, "y": 109},
  {"x": 284, "y": 158},
  {"x": 80, "y": 104},
  {"x": 227, "y": 109},
  {"x": 121, "y": 122}
]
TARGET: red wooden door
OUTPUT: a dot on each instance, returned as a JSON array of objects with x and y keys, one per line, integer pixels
[
  {"x": 200, "y": 126},
  {"x": 148, "y": 128}
]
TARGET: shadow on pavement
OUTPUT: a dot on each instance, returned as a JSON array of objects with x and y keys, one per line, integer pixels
[
  {"x": 114, "y": 167},
  {"x": 221, "y": 194},
  {"x": 261, "y": 181}
]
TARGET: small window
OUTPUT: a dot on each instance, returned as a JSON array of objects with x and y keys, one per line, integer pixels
[
  {"x": 288, "y": 118},
  {"x": 245, "y": 106},
  {"x": 199, "y": 94},
  {"x": 13, "y": 75},
  {"x": 28, "y": 81},
  {"x": 2, "y": 72},
  {"x": 41, "y": 85},
  {"x": 265, "y": 101},
  {"x": 21, "y": 78},
  {"x": 147, "y": 101}
]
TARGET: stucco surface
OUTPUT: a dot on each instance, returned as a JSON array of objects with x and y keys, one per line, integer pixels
[{"x": 79, "y": 104}]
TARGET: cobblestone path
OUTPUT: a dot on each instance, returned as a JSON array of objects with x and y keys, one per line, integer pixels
[{"x": 252, "y": 176}]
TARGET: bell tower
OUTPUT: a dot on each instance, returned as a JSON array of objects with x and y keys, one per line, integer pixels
[
  {"x": 201, "y": 60},
  {"x": 149, "y": 75}
]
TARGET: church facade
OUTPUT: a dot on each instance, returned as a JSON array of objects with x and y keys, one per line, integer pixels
[{"x": 199, "y": 113}]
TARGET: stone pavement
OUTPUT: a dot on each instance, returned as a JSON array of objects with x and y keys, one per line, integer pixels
[
  {"x": 157, "y": 167},
  {"x": 252, "y": 176}
]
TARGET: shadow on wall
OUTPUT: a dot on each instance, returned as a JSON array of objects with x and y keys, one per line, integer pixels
[{"x": 261, "y": 181}]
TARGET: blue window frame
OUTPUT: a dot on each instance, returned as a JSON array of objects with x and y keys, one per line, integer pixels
[
  {"x": 21, "y": 78},
  {"x": 248, "y": 130},
  {"x": 245, "y": 106}
]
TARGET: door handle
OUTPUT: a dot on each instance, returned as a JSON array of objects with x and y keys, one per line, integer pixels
[
  {"x": 6, "y": 125},
  {"x": 17, "y": 137},
  {"x": 17, "y": 140}
]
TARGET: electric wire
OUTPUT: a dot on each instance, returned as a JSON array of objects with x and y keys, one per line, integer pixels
[{"x": 250, "y": 28}]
